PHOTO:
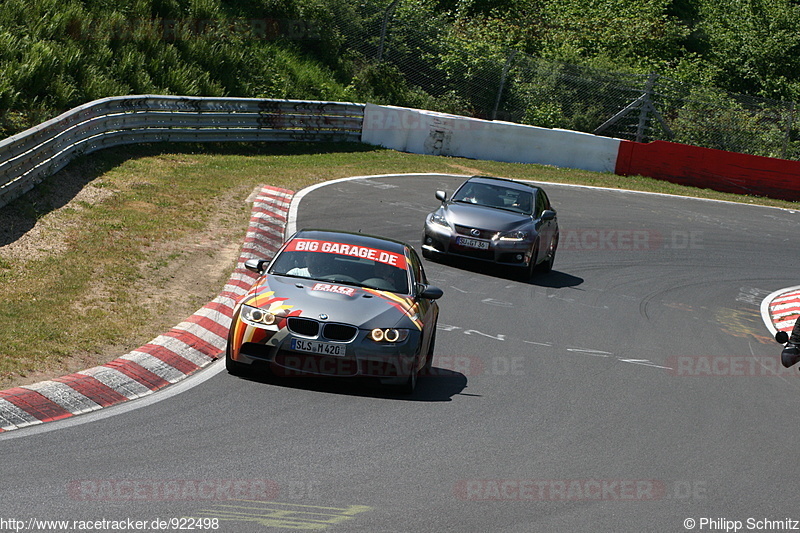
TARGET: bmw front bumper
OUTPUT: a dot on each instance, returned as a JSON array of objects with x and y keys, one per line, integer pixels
[{"x": 361, "y": 357}]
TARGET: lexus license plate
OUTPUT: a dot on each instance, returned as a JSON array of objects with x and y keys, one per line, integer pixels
[{"x": 473, "y": 243}]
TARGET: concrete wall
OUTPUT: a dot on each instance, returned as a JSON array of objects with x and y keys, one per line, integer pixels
[
  {"x": 428, "y": 132},
  {"x": 431, "y": 133}
]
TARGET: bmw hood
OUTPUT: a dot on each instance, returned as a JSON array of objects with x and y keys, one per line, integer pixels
[
  {"x": 329, "y": 301},
  {"x": 477, "y": 216}
]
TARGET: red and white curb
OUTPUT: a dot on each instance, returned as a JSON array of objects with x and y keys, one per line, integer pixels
[
  {"x": 186, "y": 348},
  {"x": 781, "y": 309}
]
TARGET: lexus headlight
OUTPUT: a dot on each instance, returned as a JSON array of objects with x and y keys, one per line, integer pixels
[
  {"x": 438, "y": 218},
  {"x": 513, "y": 236},
  {"x": 389, "y": 335}
]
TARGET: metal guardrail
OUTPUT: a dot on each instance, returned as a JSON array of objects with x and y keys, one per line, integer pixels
[{"x": 29, "y": 157}]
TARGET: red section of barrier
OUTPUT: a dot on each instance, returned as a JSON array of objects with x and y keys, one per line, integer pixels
[
  {"x": 138, "y": 373},
  {"x": 93, "y": 389},
  {"x": 35, "y": 404},
  {"x": 174, "y": 360},
  {"x": 711, "y": 169},
  {"x": 192, "y": 340}
]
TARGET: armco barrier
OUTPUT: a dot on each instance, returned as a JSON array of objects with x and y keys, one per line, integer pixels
[
  {"x": 711, "y": 169},
  {"x": 28, "y": 157}
]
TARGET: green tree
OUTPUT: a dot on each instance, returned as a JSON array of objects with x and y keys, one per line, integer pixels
[
  {"x": 630, "y": 34},
  {"x": 755, "y": 44}
]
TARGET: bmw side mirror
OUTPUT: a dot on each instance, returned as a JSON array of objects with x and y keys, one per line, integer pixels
[
  {"x": 782, "y": 337},
  {"x": 429, "y": 292},
  {"x": 441, "y": 195},
  {"x": 256, "y": 265},
  {"x": 548, "y": 214}
]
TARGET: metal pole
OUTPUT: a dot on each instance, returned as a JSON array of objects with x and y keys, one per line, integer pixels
[
  {"x": 502, "y": 83},
  {"x": 386, "y": 16},
  {"x": 788, "y": 137},
  {"x": 646, "y": 107}
]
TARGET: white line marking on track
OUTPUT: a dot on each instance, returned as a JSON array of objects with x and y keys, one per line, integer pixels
[
  {"x": 475, "y": 331},
  {"x": 498, "y": 303},
  {"x": 643, "y": 362},
  {"x": 588, "y": 351},
  {"x": 462, "y": 291}
]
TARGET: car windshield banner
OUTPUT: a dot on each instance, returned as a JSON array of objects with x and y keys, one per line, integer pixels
[{"x": 381, "y": 256}]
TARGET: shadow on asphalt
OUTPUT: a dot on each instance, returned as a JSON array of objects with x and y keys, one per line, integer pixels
[
  {"x": 434, "y": 385},
  {"x": 554, "y": 279}
]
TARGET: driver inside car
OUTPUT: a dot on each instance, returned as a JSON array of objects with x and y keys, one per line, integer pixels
[{"x": 314, "y": 265}]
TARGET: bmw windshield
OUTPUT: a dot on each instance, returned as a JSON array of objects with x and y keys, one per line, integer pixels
[{"x": 343, "y": 263}]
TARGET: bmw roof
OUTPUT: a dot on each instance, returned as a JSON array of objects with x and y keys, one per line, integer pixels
[{"x": 359, "y": 239}]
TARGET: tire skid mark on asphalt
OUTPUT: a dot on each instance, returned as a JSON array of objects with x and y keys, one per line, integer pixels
[
  {"x": 191, "y": 345},
  {"x": 590, "y": 352}
]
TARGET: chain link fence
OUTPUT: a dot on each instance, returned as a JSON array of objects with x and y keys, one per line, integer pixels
[{"x": 512, "y": 86}]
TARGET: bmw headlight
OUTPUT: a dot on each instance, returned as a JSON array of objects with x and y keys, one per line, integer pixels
[
  {"x": 389, "y": 335},
  {"x": 513, "y": 236},
  {"x": 438, "y": 218},
  {"x": 258, "y": 317}
]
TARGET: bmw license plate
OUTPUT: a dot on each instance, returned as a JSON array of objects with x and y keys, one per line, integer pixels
[
  {"x": 322, "y": 348},
  {"x": 473, "y": 243}
]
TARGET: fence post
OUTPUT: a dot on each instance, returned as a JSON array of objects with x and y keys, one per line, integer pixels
[
  {"x": 503, "y": 76},
  {"x": 646, "y": 106},
  {"x": 386, "y": 15},
  {"x": 788, "y": 137}
]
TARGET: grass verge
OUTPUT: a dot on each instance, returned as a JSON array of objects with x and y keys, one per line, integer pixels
[{"x": 121, "y": 246}]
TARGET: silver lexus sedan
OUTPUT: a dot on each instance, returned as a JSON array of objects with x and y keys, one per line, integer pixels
[{"x": 495, "y": 219}]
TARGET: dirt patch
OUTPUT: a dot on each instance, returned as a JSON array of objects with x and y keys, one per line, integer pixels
[
  {"x": 183, "y": 286},
  {"x": 190, "y": 272},
  {"x": 36, "y": 226}
]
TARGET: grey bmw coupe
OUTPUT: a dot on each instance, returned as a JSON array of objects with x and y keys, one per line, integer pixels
[{"x": 341, "y": 304}]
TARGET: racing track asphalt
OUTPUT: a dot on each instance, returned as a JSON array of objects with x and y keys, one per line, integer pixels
[{"x": 632, "y": 389}]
